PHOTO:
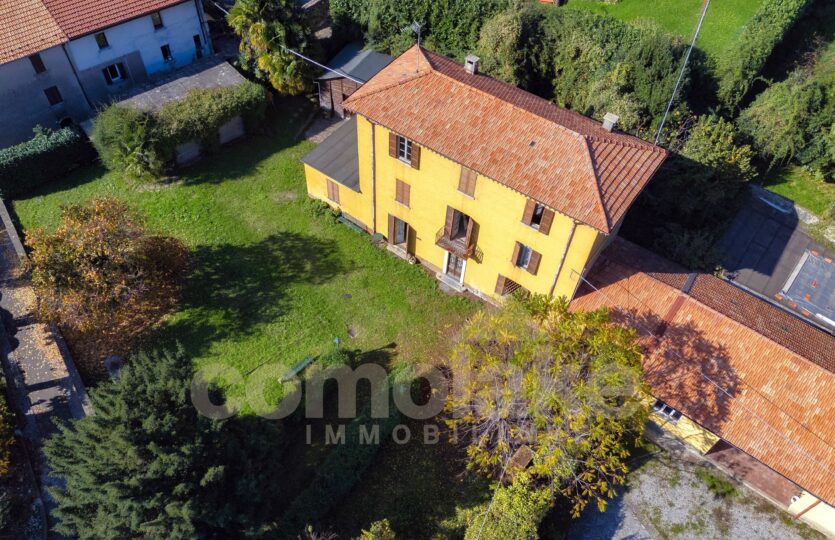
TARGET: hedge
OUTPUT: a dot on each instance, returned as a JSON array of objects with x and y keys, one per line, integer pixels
[
  {"x": 7, "y": 427},
  {"x": 341, "y": 470},
  {"x": 743, "y": 61},
  {"x": 142, "y": 143},
  {"x": 47, "y": 156}
]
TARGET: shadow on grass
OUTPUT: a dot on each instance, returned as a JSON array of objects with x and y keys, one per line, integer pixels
[{"x": 233, "y": 289}]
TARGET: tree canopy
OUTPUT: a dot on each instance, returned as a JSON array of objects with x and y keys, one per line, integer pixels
[
  {"x": 103, "y": 279},
  {"x": 267, "y": 28},
  {"x": 564, "y": 387},
  {"x": 148, "y": 465}
]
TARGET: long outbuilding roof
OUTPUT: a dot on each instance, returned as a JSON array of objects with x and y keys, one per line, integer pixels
[
  {"x": 753, "y": 374},
  {"x": 558, "y": 157}
]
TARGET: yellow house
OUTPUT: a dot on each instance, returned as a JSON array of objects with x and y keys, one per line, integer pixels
[{"x": 490, "y": 186}]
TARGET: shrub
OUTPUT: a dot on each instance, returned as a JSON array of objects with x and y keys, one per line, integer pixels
[
  {"x": 516, "y": 513},
  {"x": 341, "y": 470},
  {"x": 379, "y": 530},
  {"x": 103, "y": 279},
  {"x": 742, "y": 62},
  {"x": 721, "y": 487},
  {"x": 47, "y": 156},
  {"x": 793, "y": 120},
  {"x": 143, "y": 144},
  {"x": 7, "y": 427}
]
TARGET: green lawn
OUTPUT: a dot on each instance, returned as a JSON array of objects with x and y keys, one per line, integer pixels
[
  {"x": 722, "y": 23},
  {"x": 803, "y": 188},
  {"x": 271, "y": 282}
]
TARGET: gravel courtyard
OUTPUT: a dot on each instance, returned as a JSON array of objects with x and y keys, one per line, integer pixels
[{"x": 667, "y": 497}]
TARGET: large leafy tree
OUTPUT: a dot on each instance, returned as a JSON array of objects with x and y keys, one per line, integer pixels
[
  {"x": 103, "y": 278},
  {"x": 147, "y": 465},
  {"x": 563, "y": 388},
  {"x": 267, "y": 28}
]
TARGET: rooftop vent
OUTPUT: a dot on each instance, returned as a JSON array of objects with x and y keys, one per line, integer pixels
[
  {"x": 610, "y": 120},
  {"x": 471, "y": 64}
]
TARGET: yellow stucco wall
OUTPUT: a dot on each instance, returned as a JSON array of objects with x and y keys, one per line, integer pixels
[
  {"x": 685, "y": 429},
  {"x": 496, "y": 209},
  {"x": 821, "y": 516}
]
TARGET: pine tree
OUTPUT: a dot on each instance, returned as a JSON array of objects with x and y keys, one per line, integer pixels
[{"x": 146, "y": 464}]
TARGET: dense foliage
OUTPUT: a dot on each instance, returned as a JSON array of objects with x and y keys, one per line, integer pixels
[
  {"x": 742, "y": 63},
  {"x": 342, "y": 469},
  {"x": 147, "y": 465},
  {"x": 693, "y": 194},
  {"x": 379, "y": 530},
  {"x": 266, "y": 27},
  {"x": 7, "y": 427},
  {"x": 515, "y": 513},
  {"x": 41, "y": 159},
  {"x": 565, "y": 386},
  {"x": 103, "y": 279},
  {"x": 142, "y": 144},
  {"x": 794, "y": 120}
]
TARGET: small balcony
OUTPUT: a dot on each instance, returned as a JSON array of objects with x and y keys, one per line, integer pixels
[
  {"x": 457, "y": 246},
  {"x": 457, "y": 235}
]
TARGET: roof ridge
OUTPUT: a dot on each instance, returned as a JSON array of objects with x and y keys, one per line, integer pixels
[
  {"x": 628, "y": 143},
  {"x": 599, "y": 189}
]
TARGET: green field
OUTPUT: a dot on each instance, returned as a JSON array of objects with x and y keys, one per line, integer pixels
[
  {"x": 805, "y": 189},
  {"x": 271, "y": 281},
  {"x": 722, "y": 23}
]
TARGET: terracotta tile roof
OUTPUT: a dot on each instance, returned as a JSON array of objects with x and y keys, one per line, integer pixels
[
  {"x": 782, "y": 402},
  {"x": 560, "y": 158},
  {"x": 79, "y": 17},
  {"x": 26, "y": 27}
]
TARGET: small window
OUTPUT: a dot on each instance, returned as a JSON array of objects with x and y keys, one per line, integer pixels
[
  {"x": 403, "y": 193},
  {"x": 524, "y": 257},
  {"x": 115, "y": 73},
  {"x": 156, "y": 18},
  {"x": 166, "y": 53},
  {"x": 333, "y": 191},
  {"x": 37, "y": 63},
  {"x": 536, "y": 219},
  {"x": 665, "y": 410},
  {"x": 198, "y": 45},
  {"x": 404, "y": 149},
  {"x": 53, "y": 95},
  {"x": 101, "y": 40}
]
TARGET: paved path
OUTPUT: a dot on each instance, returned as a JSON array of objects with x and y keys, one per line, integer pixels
[{"x": 44, "y": 383}]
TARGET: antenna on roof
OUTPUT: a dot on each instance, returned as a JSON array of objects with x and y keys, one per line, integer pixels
[{"x": 415, "y": 27}]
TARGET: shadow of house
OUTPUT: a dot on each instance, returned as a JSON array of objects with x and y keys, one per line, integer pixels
[{"x": 232, "y": 289}]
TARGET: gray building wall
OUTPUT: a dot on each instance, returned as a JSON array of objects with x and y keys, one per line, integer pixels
[
  {"x": 99, "y": 92},
  {"x": 23, "y": 104}
]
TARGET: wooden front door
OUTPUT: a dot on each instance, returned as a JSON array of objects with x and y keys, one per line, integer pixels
[{"x": 455, "y": 266}]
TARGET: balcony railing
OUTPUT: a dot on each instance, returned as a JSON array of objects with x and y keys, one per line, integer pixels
[{"x": 457, "y": 246}]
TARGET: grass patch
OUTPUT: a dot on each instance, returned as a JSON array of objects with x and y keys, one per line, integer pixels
[
  {"x": 680, "y": 17},
  {"x": 271, "y": 282},
  {"x": 804, "y": 188},
  {"x": 718, "y": 485}
]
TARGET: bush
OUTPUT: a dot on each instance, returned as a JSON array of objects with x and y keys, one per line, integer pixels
[
  {"x": 721, "y": 487},
  {"x": 379, "y": 530},
  {"x": 516, "y": 513},
  {"x": 742, "y": 62},
  {"x": 793, "y": 120},
  {"x": 143, "y": 144},
  {"x": 7, "y": 427},
  {"x": 47, "y": 156},
  {"x": 341, "y": 470}
]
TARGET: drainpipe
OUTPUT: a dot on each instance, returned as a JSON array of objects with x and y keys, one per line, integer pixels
[
  {"x": 373, "y": 180},
  {"x": 204, "y": 27},
  {"x": 77, "y": 78},
  {"x": 564, "y": 255}
]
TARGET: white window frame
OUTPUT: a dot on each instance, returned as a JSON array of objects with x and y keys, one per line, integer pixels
[
  {"x": 404, "y": 149},
  {"x": 524, "y": 258},
  {"x": 538, "y": 211},
  {"x": 120, "y": 73},
  {"x": 662, "y": 409}
]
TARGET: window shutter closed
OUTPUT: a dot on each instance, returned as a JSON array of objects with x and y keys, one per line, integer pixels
[
  {"x": 392, "y": 144},
  {"x": 500, "y": 284},
  {"x": 402, "y": 193},
  {"x": 516, "y": 249},
  {"x": 415, "y": 156},
  {"x": 450, "y": 217},
  {"x": 547, "y": 220},
  {"x": 333, "y": 192},
  {"x": 533, "y": 265},
  {"x": 391, "y": 229},
  {"x": 466, "y": 184},
  {"x": 527, "y": 217}
]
